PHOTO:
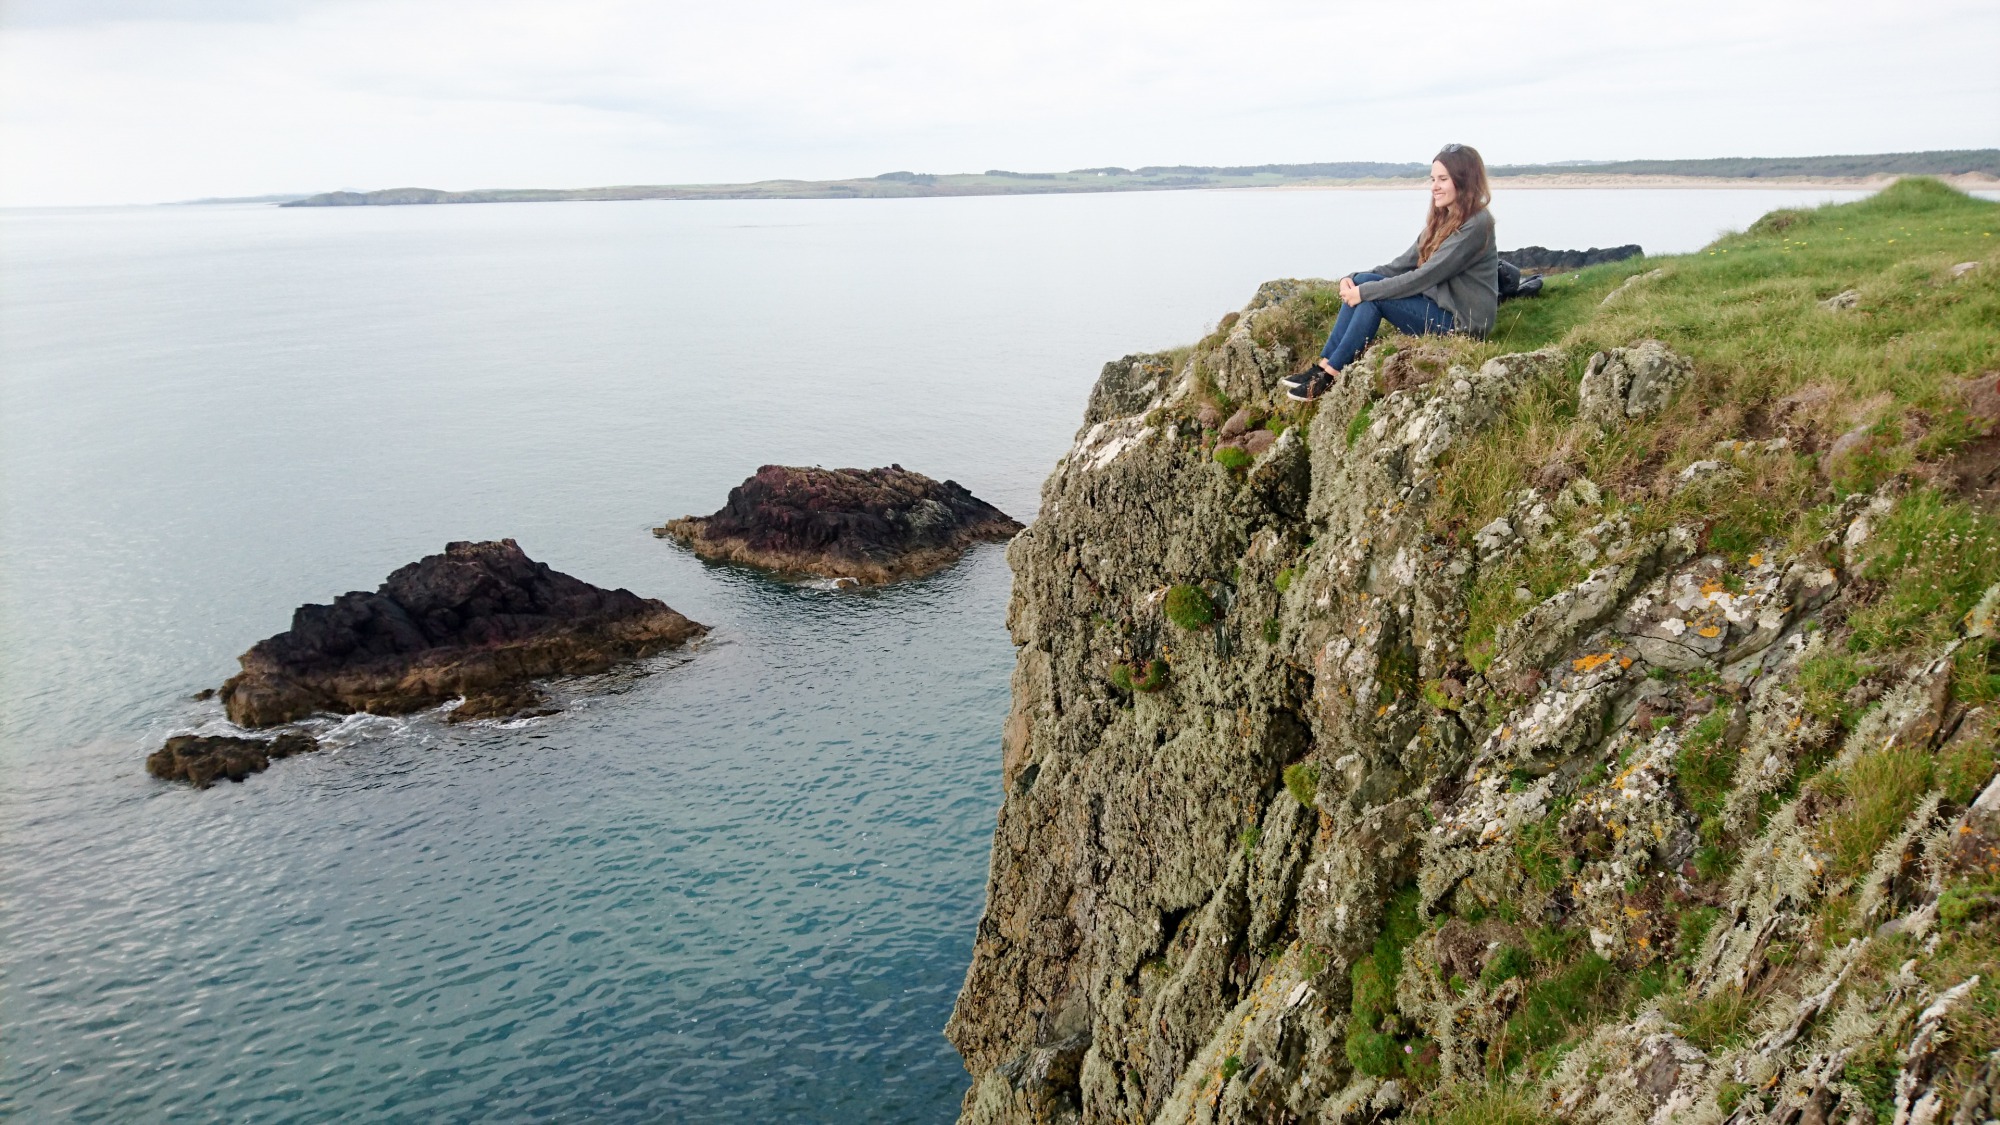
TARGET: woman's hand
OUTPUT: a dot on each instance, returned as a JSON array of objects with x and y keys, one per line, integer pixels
[{"x": 1350, "y": 293}]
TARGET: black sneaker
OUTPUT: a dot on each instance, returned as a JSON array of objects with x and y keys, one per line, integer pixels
[
  {"x": 1299, "y": 379},
  {"x": 1316, "y": 384}
]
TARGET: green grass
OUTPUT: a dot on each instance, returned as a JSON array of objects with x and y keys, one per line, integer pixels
[
  {"x": 1974, "y": 679},
  {"x": 1716, "y": 1021},
  {"x": 1358, "y": 425},
  {"x": 1557, "y": 1005},
  {"x": 1483, "y": 1106},
  {"x": 1961, "y": 904},
  {"x": 1539, "y": 850},
  {"x": 1189, "y": 607},
  {"x": 1232, "y": 457},
  {"x": 1127, "y": 679},
  {"x": 1963, "y": 768},
  {"x": 1824, "y": 682},
  {"x": 1506, "y": 963},
  {"x": 1369, "y": 1048},
  {"x": 1937, "y": 556},
  {"x": 1693, "y": 927},
  {"x": 1302, "y": 782},
  {"x": 1877, "y": 794},
  {"x": 1705, "y": 764}
]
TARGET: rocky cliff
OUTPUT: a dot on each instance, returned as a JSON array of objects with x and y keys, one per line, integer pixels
[{"x": 1592, "y": 724}]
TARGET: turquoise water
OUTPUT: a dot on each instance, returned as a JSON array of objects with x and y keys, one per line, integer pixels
[{"x": 733, "y": 884}]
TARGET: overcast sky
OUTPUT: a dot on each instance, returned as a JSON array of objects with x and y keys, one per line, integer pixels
[{"x": 106, "y": 101}]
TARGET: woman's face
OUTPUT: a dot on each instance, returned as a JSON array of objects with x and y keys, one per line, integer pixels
[{"x": 1443, "y": 191}]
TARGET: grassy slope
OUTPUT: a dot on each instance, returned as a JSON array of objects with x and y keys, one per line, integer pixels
[{"x": 1747, "y": 309}]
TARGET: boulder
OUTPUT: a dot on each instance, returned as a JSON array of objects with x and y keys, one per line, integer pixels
[
  {"x": 201, "y": 760},
  {"x": 479, "y": 618},
  {"x": 870, "y": 525},
  {"x": 1630, "y": 382}
]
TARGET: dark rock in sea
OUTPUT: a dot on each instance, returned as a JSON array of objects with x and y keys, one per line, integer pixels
[
  {"x": 1541, "y": 259},
  {"x": 479, "y": 619},
  {"x": 522, "y": 701},
  {"x": 203, "y": 759},
  {"x": 871, "y": 525}
]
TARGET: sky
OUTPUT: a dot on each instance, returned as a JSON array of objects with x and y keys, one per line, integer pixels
[{"x": 117, "y": 101}]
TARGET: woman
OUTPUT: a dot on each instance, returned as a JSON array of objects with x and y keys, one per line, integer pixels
[{"x": 1448, "y": 281}]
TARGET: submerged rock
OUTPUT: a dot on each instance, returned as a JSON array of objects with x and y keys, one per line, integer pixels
[
  {"x": 871, "y": 525},
  {"x": 479, "y": 618},
  {"x": 521, "y": 701},
  {"x": 202, "y": 759}
]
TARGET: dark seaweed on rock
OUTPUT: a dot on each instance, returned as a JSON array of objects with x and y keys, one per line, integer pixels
[
  {"x": 478, "y": 618},
  {"x": 874, "y": 525}
]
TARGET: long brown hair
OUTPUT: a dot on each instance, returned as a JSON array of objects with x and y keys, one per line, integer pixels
[{"x": 1468, "y": 174}]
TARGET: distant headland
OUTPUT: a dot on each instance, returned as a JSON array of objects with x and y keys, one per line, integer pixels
[{"x": 1966, "y": 168}]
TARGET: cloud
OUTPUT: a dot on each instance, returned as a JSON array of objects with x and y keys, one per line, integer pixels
[{"x": 118, "y": 100}]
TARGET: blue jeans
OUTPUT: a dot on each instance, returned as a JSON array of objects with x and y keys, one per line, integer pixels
[{"x": 1356, "y": 324}]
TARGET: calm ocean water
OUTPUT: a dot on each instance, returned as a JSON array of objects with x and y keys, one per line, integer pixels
[{"x": 737, "y": 884}]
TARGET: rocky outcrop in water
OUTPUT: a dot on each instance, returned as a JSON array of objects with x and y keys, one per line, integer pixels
[
  {"x": 1624, "y": 853},
  {"x": 868, "y": 525},
  {"x": 479, "y": 620},
  {"x": 1541, "y": 259},
  {"x": 202, "y": 760}
]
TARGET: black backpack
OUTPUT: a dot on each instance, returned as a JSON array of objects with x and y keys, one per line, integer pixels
[{"x": 1514, "y": 284}]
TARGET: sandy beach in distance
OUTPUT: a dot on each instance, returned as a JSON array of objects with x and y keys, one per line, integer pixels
[{"x": 1973, "y": 181}]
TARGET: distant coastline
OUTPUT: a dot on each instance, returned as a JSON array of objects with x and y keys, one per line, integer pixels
[{"x": 1973, "y": 169}]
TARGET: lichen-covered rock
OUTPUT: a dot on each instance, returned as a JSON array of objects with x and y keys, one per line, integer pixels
[
  {"x": 870, "y": 525},
  {"x": 1630, "y": 382},
  {"x": 1339, "y": 868},
  {"x": 479, "y": 618},
  {"x": 1127, "y": 385}
]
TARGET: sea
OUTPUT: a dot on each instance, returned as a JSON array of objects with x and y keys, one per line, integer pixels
[{"x": 734, "y": 883}]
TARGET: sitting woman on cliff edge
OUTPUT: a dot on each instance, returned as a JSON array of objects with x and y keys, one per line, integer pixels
[{"x": 1448, "y": 280}]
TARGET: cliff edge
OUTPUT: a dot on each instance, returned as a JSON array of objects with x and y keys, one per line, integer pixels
[{"x": 1596, "y": 723}]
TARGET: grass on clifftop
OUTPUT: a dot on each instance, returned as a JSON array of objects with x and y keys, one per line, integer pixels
[{"x": 1770, "y": 362}]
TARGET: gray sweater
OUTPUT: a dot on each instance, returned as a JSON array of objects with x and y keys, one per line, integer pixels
[{"x": 1463, "y": 276}]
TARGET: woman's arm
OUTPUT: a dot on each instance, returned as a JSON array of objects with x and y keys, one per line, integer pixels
[{"x": 1453, "y": 257}]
